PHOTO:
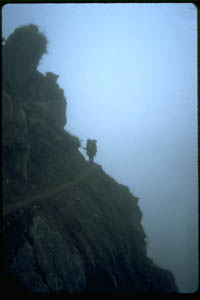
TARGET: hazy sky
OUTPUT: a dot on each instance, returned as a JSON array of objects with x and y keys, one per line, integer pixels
[{"x": 129, "y": 72}]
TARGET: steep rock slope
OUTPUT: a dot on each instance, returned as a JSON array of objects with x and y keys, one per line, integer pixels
[{"x": 68, "y": 227}]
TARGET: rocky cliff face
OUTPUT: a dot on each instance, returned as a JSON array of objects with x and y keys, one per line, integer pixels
[{"x": 68, "y": 227}]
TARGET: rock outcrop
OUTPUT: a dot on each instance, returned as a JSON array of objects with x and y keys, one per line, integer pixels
[
  {"x": 68, "y": 227},
  {"x": 21, "y": 54}
]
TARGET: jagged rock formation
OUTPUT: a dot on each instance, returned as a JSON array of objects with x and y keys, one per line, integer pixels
[
  {"x": 68, "y": 227},
  {"x": 21, "y": 54}
]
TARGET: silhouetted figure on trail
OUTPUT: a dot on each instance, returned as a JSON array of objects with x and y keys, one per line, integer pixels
[{"x": 91, "y": 149}]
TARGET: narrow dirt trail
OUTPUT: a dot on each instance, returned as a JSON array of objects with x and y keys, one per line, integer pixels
[{"x": 8, "y": 209}]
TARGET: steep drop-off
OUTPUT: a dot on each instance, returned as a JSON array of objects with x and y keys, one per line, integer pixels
[{"x": 68, "y": 227}]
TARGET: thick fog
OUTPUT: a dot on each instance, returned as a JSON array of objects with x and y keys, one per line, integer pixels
[{"x": 129, "y": 73}]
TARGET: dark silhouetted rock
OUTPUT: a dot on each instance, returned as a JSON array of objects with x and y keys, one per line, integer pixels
[
  {"x": 68, "y": 227},
  {"x": 21, "y": 54}
]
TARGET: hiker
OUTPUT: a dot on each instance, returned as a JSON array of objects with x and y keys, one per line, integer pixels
[{"x": 91, "y": 149}]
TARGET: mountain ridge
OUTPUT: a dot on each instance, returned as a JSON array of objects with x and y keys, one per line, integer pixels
[{"x": 68, "y": 227}]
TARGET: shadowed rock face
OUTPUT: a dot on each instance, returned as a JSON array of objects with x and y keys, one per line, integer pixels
[
  {"x": 42, "y": 265},
  {"x": 21, "y": 54},
  {"x": 80, "y": 231}
]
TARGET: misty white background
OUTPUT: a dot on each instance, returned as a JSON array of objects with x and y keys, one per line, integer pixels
[{"x": 129, "y": 73}]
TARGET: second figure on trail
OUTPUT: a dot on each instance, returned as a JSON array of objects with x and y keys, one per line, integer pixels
[{"x": 91, "y": 150}]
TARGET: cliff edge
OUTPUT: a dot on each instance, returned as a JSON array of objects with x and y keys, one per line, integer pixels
[{"x": 68, "y": 227}]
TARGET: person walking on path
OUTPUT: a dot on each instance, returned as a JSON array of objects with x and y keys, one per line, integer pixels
[{"x": 91, "y": 149}]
